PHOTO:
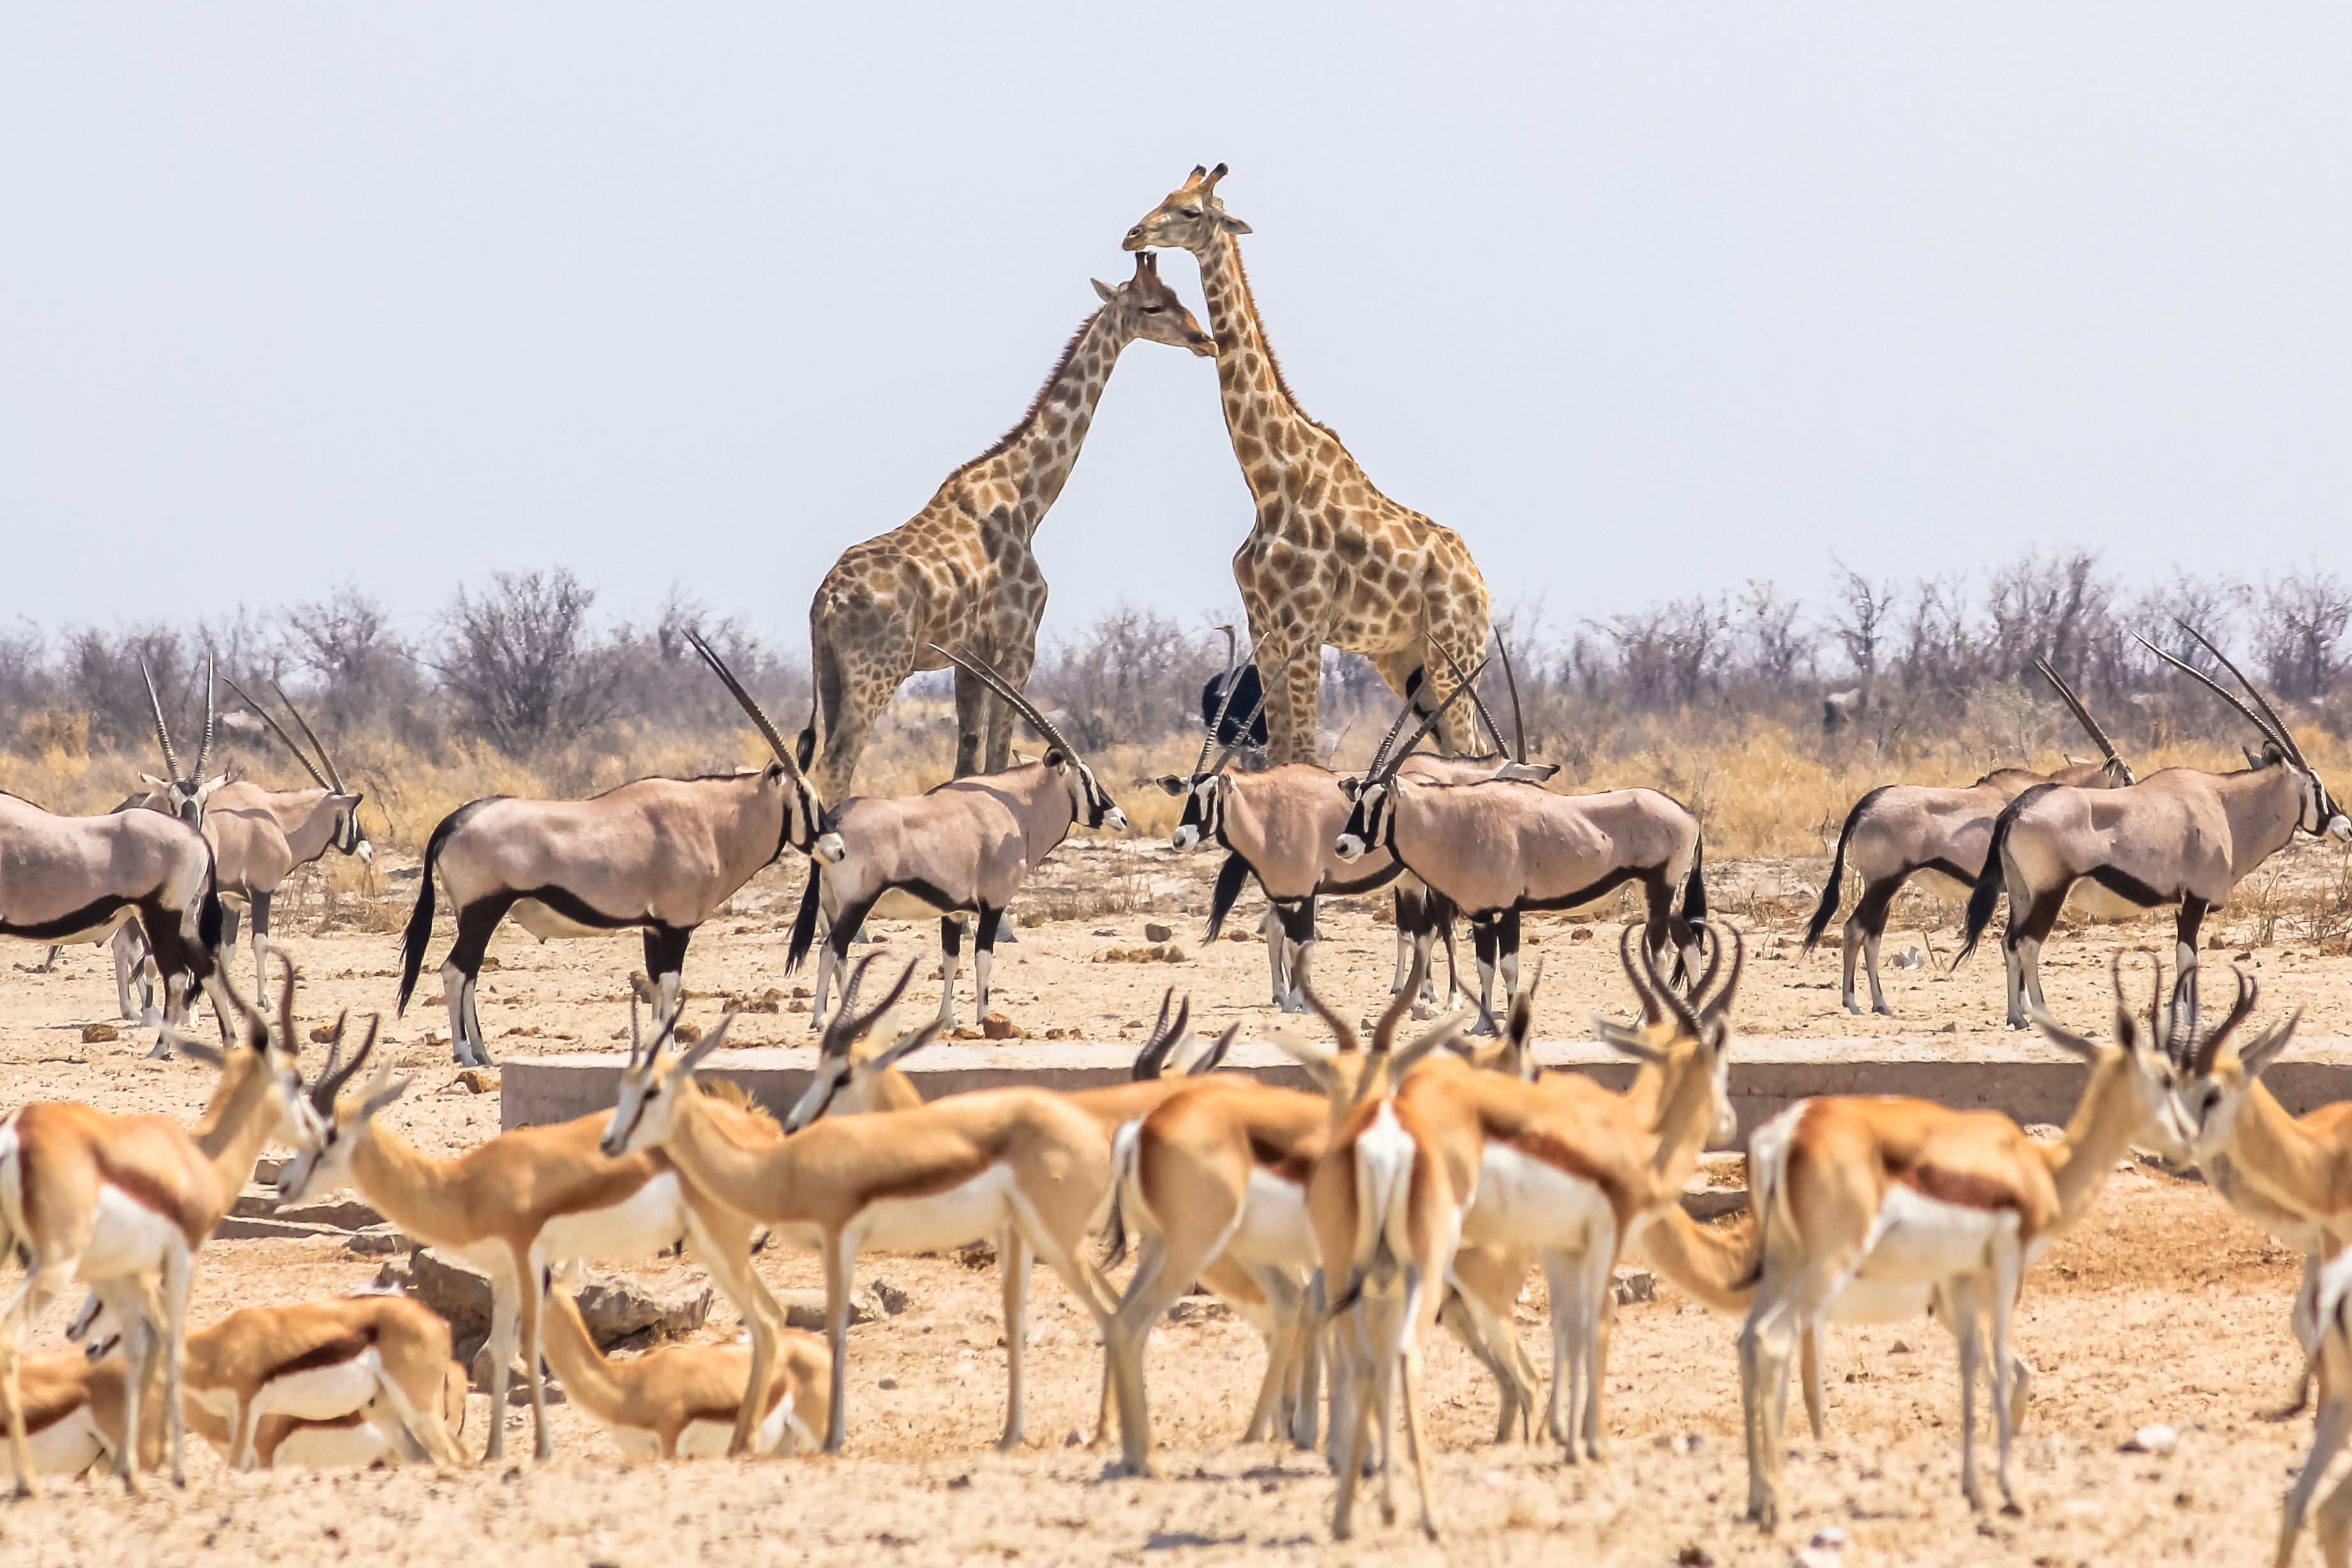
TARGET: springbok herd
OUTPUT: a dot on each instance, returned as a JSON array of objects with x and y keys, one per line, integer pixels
[{"x": 1420, "y": 1181}]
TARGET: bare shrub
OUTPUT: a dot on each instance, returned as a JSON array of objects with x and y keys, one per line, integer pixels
[{"x": 520, "y": 660}]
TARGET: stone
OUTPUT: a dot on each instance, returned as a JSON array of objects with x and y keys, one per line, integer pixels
[
  {"x": 614, "y": 1307},
  {"x": 99, "y": 1033},
  {"x": 996, "y": 1026},
  {"x": 255, "y": 1202},
  {"x": 376, "y": 1242},
  {"x": 1155, "y": 932},
  {"x": 238, "y": 1228},
  {"x": 804, "y": 1310},
  {"x": 2159, "y": 1439},
  {"x": 481, "y": 1079},
  {"x": 1634, "y": 1285},
  {"x": 343, "y": 1213},
  {"x": 454, "y": 1288},
  {"x": 1582, "y": 933}
]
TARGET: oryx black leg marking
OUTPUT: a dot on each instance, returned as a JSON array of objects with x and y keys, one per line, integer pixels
[
  {"x": 2185, "y": 927},
  {"x": 1508, "y": 954},
  {"x": 1863, "y": 930},
  {"x": 666, "y": 960},
  {"x": 983, "y": 952},
  {"x": 476, "y": 921},
  {"x": 1483, "y": 940},
  {"x": 1297, "y": 917},
  {"x": 950, "y": 962}
]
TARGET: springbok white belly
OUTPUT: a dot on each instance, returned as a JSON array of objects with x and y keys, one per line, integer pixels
[
  {"x": 1522, "y": 1199},
  {"x": 969, "y": 1211},
  {"x": 65, "y": 1447},
  {"x": 339, "y": 1446},
  {"x": 545, "y": 924},
  {"x": 321, "y": 1393},
  {"x": 1920, "y": 1239},
  {"x": 1273, "y": 1230},
  {"x": 708, "y": 1439},
  {"x": 1881, "y": 1302},
  {"x": 127, "y": 1238},
  {"x": 636, "y": 1443},
  {"x": 639, "y": 1226}
]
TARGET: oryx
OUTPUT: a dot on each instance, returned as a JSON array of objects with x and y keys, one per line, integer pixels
[
  {"x": 1281, "y": 826},
  {"x": 1898, "y": 831},
  {"x": 2181, "y": 837},
  {"x": 964, "y": 848},
  {"x": 1495, "y": 852},
  {"x": 654, "y": 855},
  {"x": 79, "y": 879},
  {"x": 182, "y": 795}
]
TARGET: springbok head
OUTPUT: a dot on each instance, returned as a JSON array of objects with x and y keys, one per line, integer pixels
[{"x": 841, "y": 1062}]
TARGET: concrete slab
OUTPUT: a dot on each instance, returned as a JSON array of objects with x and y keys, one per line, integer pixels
[{"x": 2025, "y": 1079}]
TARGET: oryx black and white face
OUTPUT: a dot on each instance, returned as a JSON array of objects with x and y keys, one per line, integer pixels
[
  {"x": 2321, "y": 815},
  {"x": 804, "y": 818},
  {"x": 1090, "y": 805},
  {"x": 1204, "y": 808},
  {"x": 349, "y": 837},
  {"x": 1373, "y": 824}
]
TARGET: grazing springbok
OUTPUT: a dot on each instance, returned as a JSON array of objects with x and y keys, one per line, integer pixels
[
  {"x": 1020, "y": 1165},
  {"x": 74, "y": 1414},
  {"x": 333, "y": 1384},
  {"x": 964, "y": 848},
  {"x": 1899, "y": 832},
  {"x": 679, "y": 1402},
  {"x": 1494, "y": 853},
  {"x": 1281, "y": 826},
  {"x": 655, "y": 855},
  {"x": 1921, "y": 1202},
  {"x": 2179, "y": 837},
  {"x": 67, "y": 880},
  {"x": 524, "y": 1200},
  {"x": 123, "y": 1203}
]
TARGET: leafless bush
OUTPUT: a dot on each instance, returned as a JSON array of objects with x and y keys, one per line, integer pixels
[{"x": 520, "y": 659}]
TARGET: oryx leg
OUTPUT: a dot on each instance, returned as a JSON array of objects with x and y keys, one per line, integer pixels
[
  {"x": 1411, "y": 916},
  {"x": 666, "y": 965},
  {"x": 986, "y": 929},
  {"x": 2023, "y": 946},
  {"x": 1863, "y": 930},
  {"x": 130, "y": 947},
  {"x": 832, "y": 957},
  {"x": 260, "y": 939},
  {"x": 2185, "y": 927},
  {"x": 461, "y": 972},
  {"x": 1298, "y": 948},
  {"x": 951, "y": 965},
  {"x": 1507, "y": 946},
  {"x": 1483, "y": 939},
  {"x": 1270, "y": 929}
]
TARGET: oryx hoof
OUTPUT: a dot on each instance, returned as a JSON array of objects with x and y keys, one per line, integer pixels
[
  {"x": 1882, "y": 1010},
  {"x": 1853, "y": 1007},
  {"x": 161, "y": 1051}
]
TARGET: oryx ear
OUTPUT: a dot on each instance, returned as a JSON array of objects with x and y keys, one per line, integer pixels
[
  {"x": 1104, "y": 290},
  {"x": 2067, "y": 1040},
  {"x": 1171, "y": 784},
  {"x": 1056, "y": 761},
  {"x": 158, "y": 783},
  {"x": 1527, "y": 772},
  {"x": 1617, "y": 1037},
  {"x": 1351, "y": 787},
  {"x": 2266, "y": 1050}
]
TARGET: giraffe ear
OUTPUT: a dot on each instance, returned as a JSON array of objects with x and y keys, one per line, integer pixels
[
  {"x": 1104, "y": 290},
  {"x": 1230, "y": 224}
]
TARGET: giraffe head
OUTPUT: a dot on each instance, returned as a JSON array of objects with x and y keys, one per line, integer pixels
[
  {"x": 1190, "y": 219},
  {"x": 1143, "y": 306}
]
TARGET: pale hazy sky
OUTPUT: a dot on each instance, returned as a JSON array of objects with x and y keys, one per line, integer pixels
[{"x": 1642, "y": 300}]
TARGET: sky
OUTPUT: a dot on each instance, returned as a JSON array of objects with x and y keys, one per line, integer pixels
[{"x": 1642, "y": 301}]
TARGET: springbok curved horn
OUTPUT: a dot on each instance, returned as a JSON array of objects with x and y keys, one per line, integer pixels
[
  {"x": 330, "y": 1083},
  {"x": 2277, "y": 725},
  {"x": 1518, "y": 720},
  {"x": 993, "y": 679},
  {"x": 163, "y": 731},
  {"x": 1715, "y": 1008},
  {"x": 1685, "y": 1016},
  {"x": 2261, "y": 725},
  {"x": 759, "y": 716},
  {"x": 316, "y": 776},
  {"x": 204, "y": 747},
  {"x": 2211, "y": 1046},
  {"x": 2066, "y": 694},
  {"x": 1654, "y": 1011},
  {"x": 1384, "y": 1029},
  {"x": 846, "y": 1030},
  {"x": 1151, "y": 1062}
]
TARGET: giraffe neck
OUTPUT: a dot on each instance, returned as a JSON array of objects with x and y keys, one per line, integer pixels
[
  {"x": 1035, "y": 459},
  {"x": 1270, "y": 432}
]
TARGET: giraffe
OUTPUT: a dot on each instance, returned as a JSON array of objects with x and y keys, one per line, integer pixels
[
  {"x": 959, "y": 572},
  {"x": 1329, "y": 559}
]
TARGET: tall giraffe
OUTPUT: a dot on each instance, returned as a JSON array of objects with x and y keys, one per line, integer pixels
[
  {"x": 1331, "y": 560},
  {"x": 959, "y": 572}
]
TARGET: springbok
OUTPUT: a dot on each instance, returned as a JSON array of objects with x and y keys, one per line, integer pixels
[
  {"x": 1495, "y": 853},
  {"x": 679, "y": 1402},
  {"x": 2179, "y": 837},
  {"x": 1022, "y": 1165},
  {"x": 964, "y": 848},
  {"x": 524, "y": 1200},
  {"x": 332, "y": 1384},
  {"x": 655, "y": 855},
  {"x": 67, "y": 880},
  {"x": 1911, "y": 1198},
  {"x": 73, "y": 1414},
  {"x": 123, "y": 1203},
  {"x": 1899, "y": 832}
]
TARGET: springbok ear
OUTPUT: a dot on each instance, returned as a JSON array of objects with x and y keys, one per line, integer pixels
[
  {"x": 1617, "y": 1037},
  {"x": 1322, "y": 1063},
  {"x": 2065, "y": 1039},
  {"x": 378, "y": 1099},
  {"x": 1412, "y": 1056},
  {"x": 705, "y": 1045},
  {"x": 204, "y": 791},
  {"x": 158, "y": 783},
  {"x": 907, "y": 1046},
  {"x": 1174, "y": 785},
  {"x": 2266, "y": 1050},
  {"x": 1215, "y": 1057},
  {"x": 196, "y": 1050}
]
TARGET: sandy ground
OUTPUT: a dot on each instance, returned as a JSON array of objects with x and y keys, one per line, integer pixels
[{"x": 2162, "y": 1307}]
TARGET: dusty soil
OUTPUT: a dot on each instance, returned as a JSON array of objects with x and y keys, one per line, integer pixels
[{"x": 2161, "y": 1307}]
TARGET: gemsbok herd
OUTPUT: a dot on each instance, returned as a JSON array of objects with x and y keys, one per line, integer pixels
[{"x": 1429, "y": 1170}]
